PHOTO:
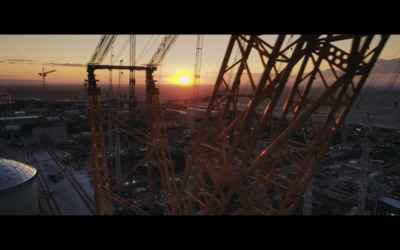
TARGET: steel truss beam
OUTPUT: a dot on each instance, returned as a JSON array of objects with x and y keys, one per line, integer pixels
[
  {"x": 155, "y": 139},
  {"x": 158, "y": 144},
  {"x": 231, "y": 169},
  {"x": 101, "y": 182}
]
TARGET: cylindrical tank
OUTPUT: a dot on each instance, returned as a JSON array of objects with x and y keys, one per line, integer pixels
[{"x": 18, "y": 191}]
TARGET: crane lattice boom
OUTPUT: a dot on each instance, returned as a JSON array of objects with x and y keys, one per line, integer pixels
[
  {"x": 155, "y": 138},
  {"x": 235, "y": 166},
  {"x": 232, "y": 170}
]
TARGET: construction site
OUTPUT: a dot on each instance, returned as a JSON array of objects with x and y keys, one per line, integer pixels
[{"x": 270, "y": 143}]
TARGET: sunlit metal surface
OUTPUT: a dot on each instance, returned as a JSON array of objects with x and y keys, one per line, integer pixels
[{"x": 13, "y": 173}]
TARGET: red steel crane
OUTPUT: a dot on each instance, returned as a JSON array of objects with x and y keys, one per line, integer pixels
[
  {"x": 155, "y": 138},
  {"x": 232, "y": 170},
  {"x": 235, "y": 166}
]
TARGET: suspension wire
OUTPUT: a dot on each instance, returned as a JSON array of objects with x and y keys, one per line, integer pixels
[
  {"x": 104, "y": 45},
  {"x": 163, "y": 49},
  {"x": 288, "y": 42},
  {"x": 144, "y": 51},
  {"x": 121, "y": 50},
  {"x": 374, "y": 79},
  {"x": 392, "y": 81},
  {"x": 97, "y": 49},
  {"x": 233, "y": 69},
  {"x": 389, "y": 86},
  {"x": 132, "y": 55}
]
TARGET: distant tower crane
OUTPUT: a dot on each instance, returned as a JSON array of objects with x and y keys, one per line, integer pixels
[
  {"x": 119, "y": 82},
  {"x": 5, "y": 99},
  {"x": 363, "y": 181},
  {"x": 110, "y": 85},
  {"x": 43, "y": 75},
  {"x": 132, "y": 62},
  {"x": 132, "y": 79}
]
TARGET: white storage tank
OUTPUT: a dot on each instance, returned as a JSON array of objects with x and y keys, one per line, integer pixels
[{"x": 18, "y": 191}]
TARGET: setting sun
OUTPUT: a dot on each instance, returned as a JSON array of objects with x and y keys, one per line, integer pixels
[{"x": 184, "y": 80}]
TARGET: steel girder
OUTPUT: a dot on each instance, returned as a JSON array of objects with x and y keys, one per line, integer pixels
[
  {"x": 101, "y": 185},
  {"x": 158, "y": 145},
  {"x": 235, "y": 167},
  {"x": 155, "y": 139}
]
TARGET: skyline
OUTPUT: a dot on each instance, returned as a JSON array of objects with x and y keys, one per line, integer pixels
[{"x": 22, "y": 57}]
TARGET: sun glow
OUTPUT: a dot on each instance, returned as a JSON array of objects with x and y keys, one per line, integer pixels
[
  {"x": 184, "y": 80},
  {"x": 181, "y": 77}
]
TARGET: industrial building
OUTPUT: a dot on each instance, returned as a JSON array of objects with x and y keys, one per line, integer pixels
[
  {"x": 5, "y": 122},
  {"x": 49, "y": 135},
  {"x": 388, "y": 206},
  {"x": 18, "y": 191}
]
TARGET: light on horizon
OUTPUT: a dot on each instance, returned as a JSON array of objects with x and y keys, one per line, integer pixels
[{"x": 184, "y": 80}]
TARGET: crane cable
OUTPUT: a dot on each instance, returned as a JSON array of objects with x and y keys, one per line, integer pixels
[
  {"x": 163, "y": 49},
  {"x": 161, "y": 52},
  {"x": 144, "y": 51},
  {"x": 389, "y": 86},
  {"x": 374, "y": 79},
  {"x": 120, "y": 51},
  {"x": 104, "y": 45}
]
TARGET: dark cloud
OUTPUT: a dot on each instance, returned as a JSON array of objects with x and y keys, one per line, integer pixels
[
  {"x": 66, "y": 64},
  {"x": 19, "y": 60},
  {"x": 23, "y": 61}
]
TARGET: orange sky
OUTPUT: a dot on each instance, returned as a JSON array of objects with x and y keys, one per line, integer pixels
[{"x": 23, "y": 56}]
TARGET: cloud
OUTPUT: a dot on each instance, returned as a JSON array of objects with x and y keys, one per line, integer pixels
[
  {"x": 66, "y": 64},
  {"x": 23, "y": 61},
  {"x": 20, "y": 60}
]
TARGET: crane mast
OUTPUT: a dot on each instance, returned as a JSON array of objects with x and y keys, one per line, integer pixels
[
  {"x": 196, "y": 85},
  {"x": 155, "y": 138},
  {"x": 225, "y": 175},
  {"x": 197, "y": 69},
  {"x": 132, "y": 80},
  {"x": 231, "y": 170},
  {"x": 43, "y": 75}
]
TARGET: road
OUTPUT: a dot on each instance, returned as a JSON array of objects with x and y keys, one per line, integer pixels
[{"x": 60, "y": 192}]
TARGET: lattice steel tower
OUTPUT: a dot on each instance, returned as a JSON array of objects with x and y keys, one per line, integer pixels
[{"x": 225, "y": 175}]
